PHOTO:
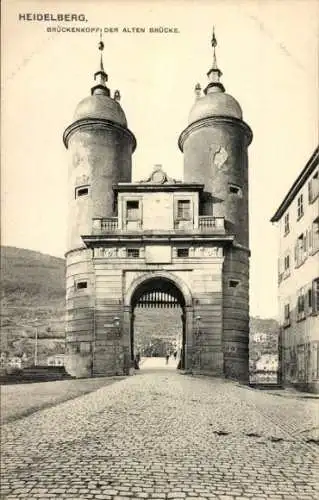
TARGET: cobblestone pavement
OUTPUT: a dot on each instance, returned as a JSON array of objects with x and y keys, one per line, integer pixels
[
  {"x": 19, "y": 400},
  {"x": 164, "y": 435}
]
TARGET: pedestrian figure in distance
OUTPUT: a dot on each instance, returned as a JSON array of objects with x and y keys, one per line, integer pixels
[
  {"x": 137, "y": 361},
  {"x": 175, "y": 355},
  {"x": 167, "y": 357}
]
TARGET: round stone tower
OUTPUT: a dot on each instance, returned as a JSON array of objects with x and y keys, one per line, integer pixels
[
  {"x": 215, "y": 146},
  {"x": 100, "y": 148}
]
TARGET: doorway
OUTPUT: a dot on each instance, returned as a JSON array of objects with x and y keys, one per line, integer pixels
[{"x": 158, "y": 320}]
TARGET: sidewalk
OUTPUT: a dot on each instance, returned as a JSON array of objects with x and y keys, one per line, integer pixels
[{"x": 286, "y": 392}]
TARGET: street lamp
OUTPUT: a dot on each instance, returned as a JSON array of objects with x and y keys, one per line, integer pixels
[
  {"x": 197, "y": 350},
  {"x": 116, "y": 323},
  {"x": 197, "y": 331},
  {"x": 36, "y": 346}
]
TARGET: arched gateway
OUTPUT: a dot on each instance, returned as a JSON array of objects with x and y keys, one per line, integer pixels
[
  {"x": 142, "y": 244},
  {"x": 161, "y": 290}
]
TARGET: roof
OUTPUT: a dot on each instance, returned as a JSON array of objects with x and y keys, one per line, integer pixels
[
  {"x": 215, "y": 104},
  {"x": 141, "y": 187},
  {"x": 299, "y": 182},
  {"x": 157, "y": 181},
  {"x": 100, "y": 106}
]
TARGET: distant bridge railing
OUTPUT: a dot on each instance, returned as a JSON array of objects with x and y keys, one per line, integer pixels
[{"x": 263, "y": 377}]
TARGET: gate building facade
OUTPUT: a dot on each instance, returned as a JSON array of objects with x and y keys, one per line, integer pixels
[{"x": 158, "y": 241}]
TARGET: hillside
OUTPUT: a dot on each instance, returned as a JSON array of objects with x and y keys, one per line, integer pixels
[
  {"x": 265, "y": 325},
  {"x": 34, "y": 295},
  {"x": 31, "y": 277}
]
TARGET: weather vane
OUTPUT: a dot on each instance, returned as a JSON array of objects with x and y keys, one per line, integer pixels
[
  {"x": 101, "y": 43},
  {"x": 101, "y": 48},
  {"x": 214, "y": 41}
]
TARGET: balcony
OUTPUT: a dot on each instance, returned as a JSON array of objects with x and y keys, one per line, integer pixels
[
  {"x": 209, "y": 224},
  {"x": 105, "y": 225},
  {"x": 206, "y": 224}
]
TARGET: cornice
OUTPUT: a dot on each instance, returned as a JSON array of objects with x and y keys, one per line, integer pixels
[
  {"x": 213, "y": 120},
  {"x": 242, "y": 247},
  {"x": 88, "y": 123},
  {"x": 304, "y": 175},
  {"x": 72, "y": 250},
  {"x": 142, "y": 187},
  {"x": 94, "y": 240}
]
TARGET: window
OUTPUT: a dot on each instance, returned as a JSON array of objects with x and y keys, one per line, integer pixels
[
  {"x": 301, "y": 304},
  {"x": 133, "y": 253},
  {"x": 309, "y": 300},
  {"x": 315, "y": 296},
  {"x": 315, "y": 235},
  {"x": 313, "y": 188},
  {"x": 301, "y": 249},
  {"x": 286, "y": 262},
  {"x": 182, "y": 252},
  {"x": 300, "y": 207},
  {"x": 81, "y": 191},
  {"x": 184, "y": 209},
  {"x": 233, "y": 283},
  {"x": 132, "y": 210},
  {"x": 233, "y": 189},
  {"x": 286, "y": 223},
  {"x": 286, "y": 270},
  {"x": 80, "y": 285},
  {"x": 287, "y": 315}
]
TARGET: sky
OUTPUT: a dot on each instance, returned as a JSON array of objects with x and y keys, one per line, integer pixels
[{"x": 267, "y": 51}]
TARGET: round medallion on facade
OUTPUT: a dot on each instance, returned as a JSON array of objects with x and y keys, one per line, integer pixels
[{"x": 159, "y": 177}]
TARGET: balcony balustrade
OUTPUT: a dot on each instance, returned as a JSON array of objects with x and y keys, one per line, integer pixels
[
  {"x": 206, "y": 224},
  {"x": 105, "y": 225}
]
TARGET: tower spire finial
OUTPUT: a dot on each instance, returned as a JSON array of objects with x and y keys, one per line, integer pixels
[
  {"x": 214, "y": 45},
  {"x": 101, "y": 48},
  {"x": 100, "y": 76},
  {"x": 214, "y": 73}
]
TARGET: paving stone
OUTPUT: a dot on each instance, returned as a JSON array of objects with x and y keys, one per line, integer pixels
[{"x": 146, "y": 437}]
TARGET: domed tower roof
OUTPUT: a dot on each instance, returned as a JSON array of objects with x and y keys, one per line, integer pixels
[
  {"x": 100, "y": 104},
  {"x": 99, "y": 108},
  {"x": 215, "y": 101}
]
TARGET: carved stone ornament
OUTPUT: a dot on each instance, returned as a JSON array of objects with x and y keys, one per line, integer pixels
[
  {"x": 121, "y": 253},
  {"x": 208, "y": 252},
  {"x": 219, "y": 157},
  {"x": 105, "y": 252},
  {"x": 110, "y": 252},
  {"x": 211, "y": 252},
  {"x": 158, "y": 176}
]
